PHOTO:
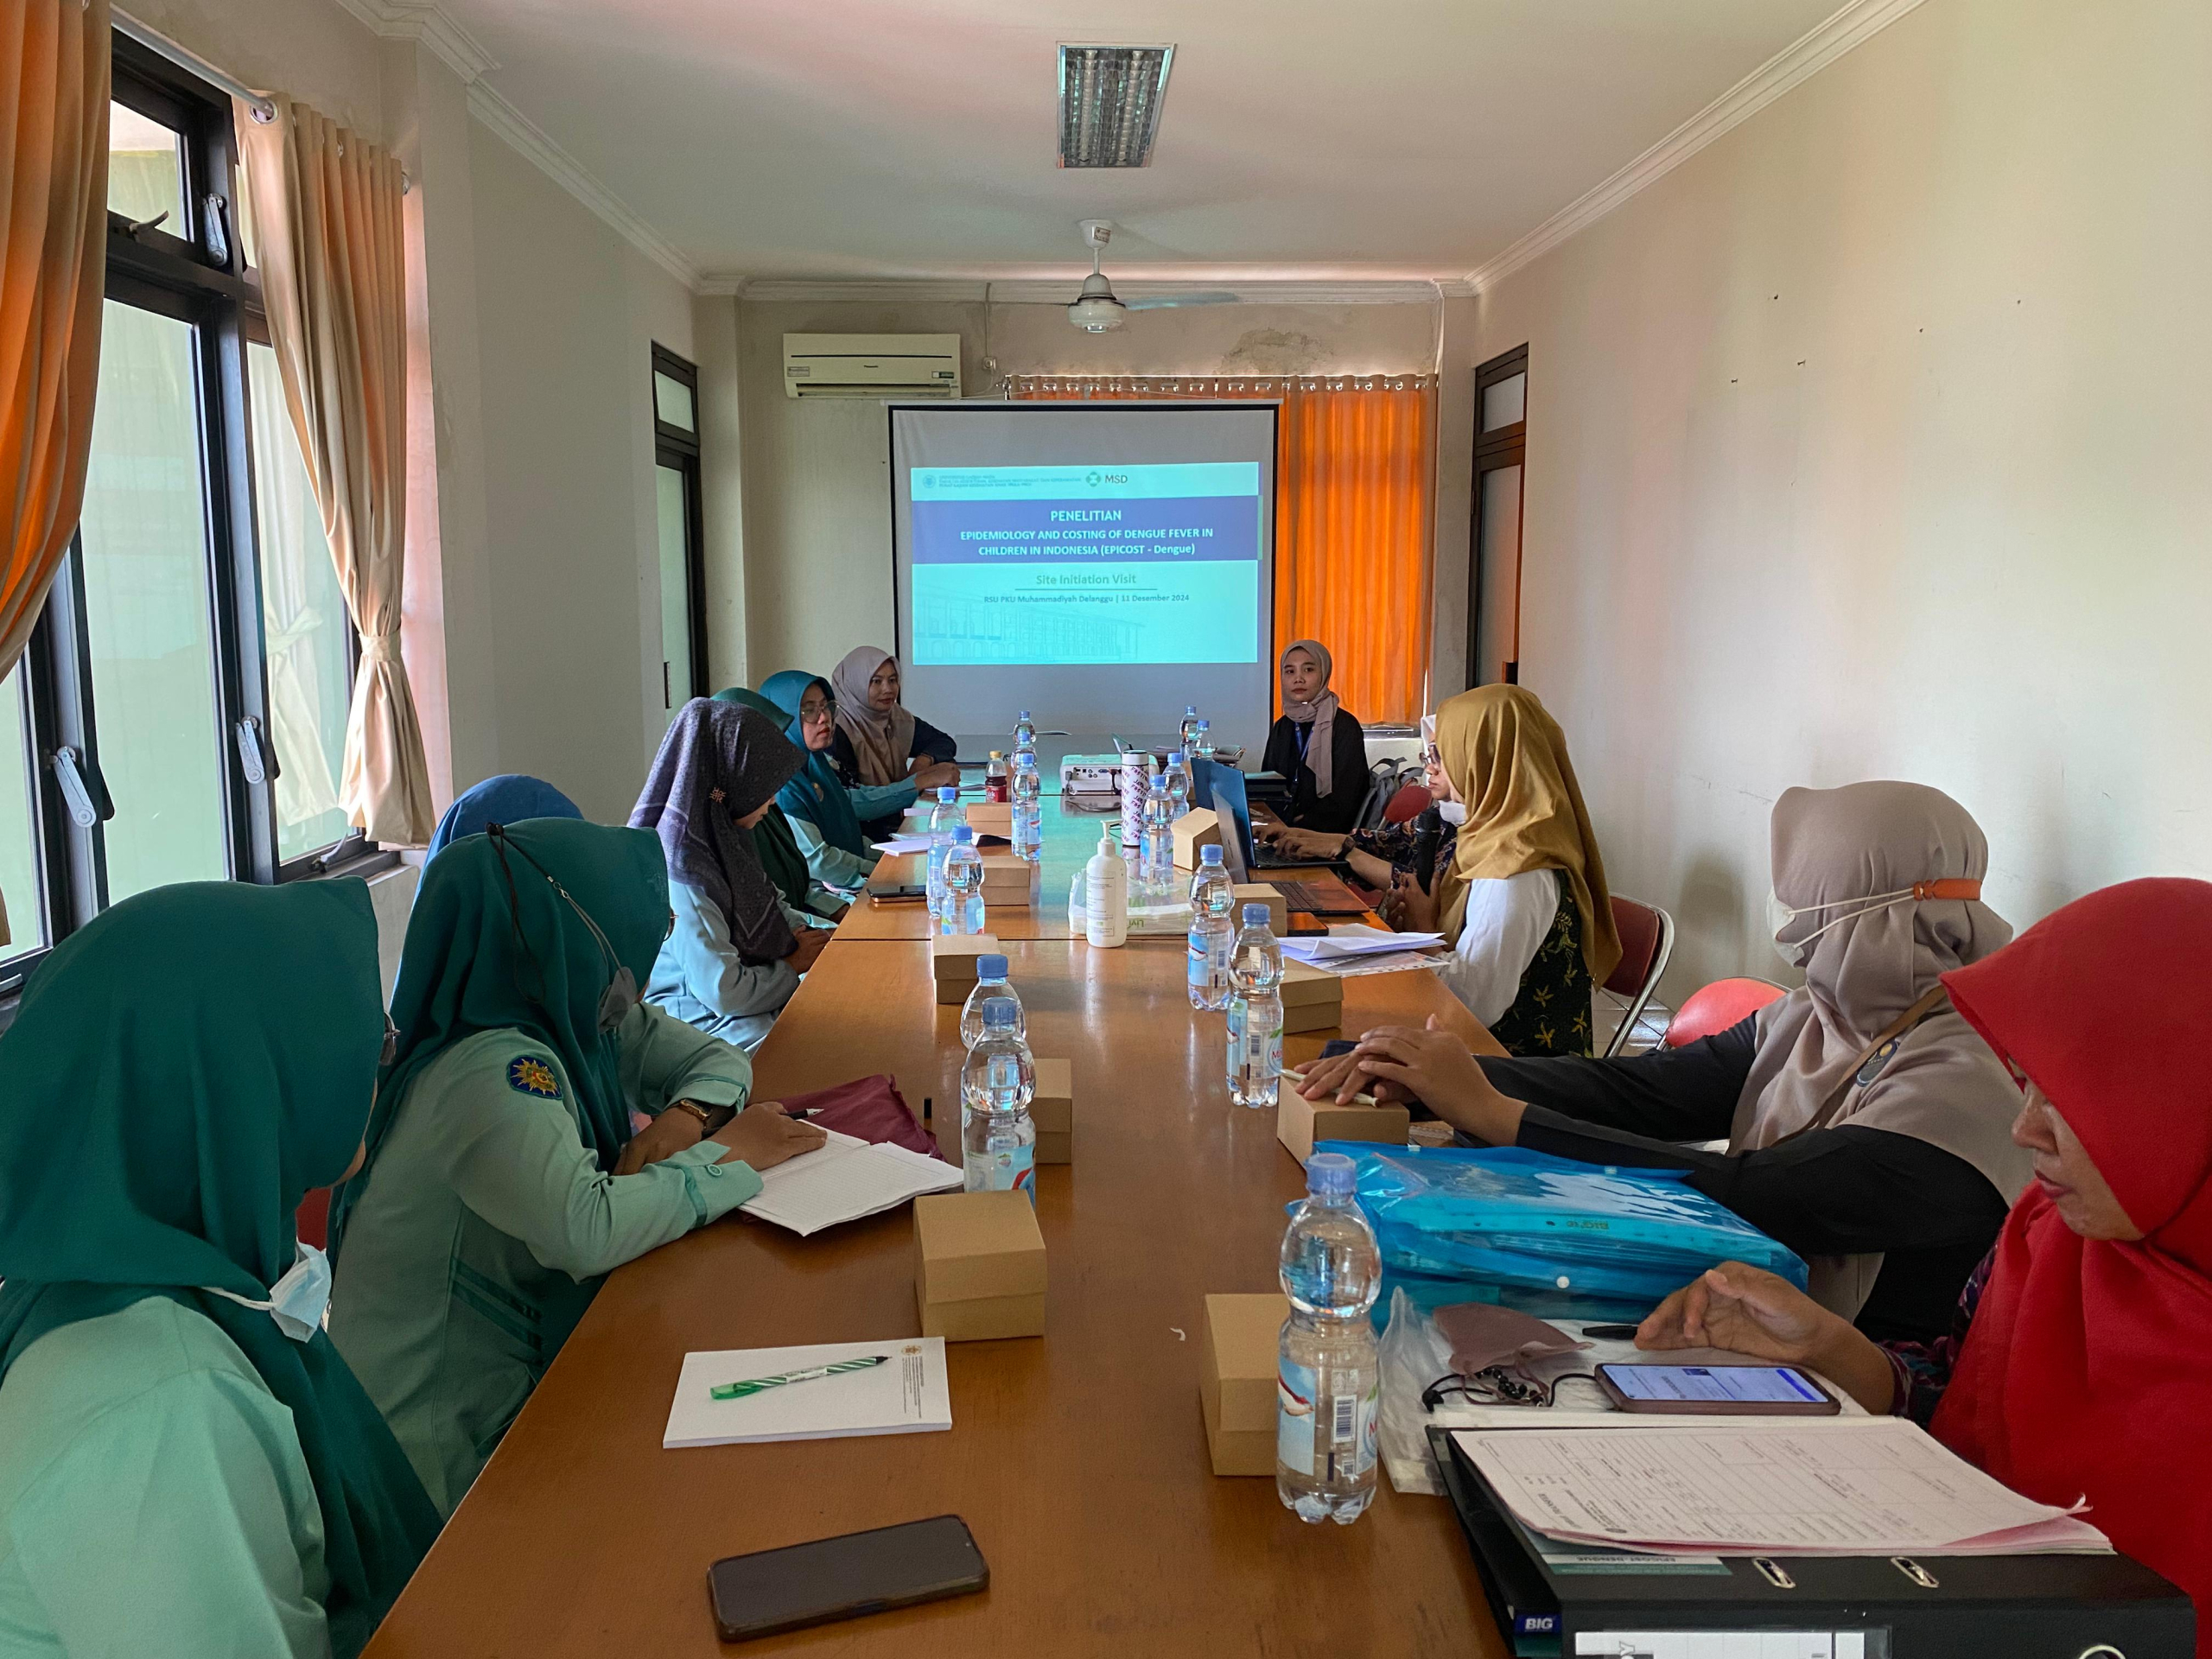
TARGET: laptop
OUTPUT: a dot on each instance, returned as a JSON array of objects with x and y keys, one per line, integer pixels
[{"x": 1223, "y": 788}]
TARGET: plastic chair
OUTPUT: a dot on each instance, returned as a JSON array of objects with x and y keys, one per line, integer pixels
[
  {"x": 1647, "y": 941},
  {"x": 1713, "y": 1008},
  {"x": 1408, "y": 803}
]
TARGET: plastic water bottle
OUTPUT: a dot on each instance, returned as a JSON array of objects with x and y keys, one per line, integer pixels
[
  {"x": 1156, "y": 859},
  {"x": 1327, "y": 1376},
  {"x": 1025, "y": 731},
  {"x": 942, "y": 818},
  {"x": 1028, "y": 794},
  {"x": 1189, "y": 722},
  {"x": 1106, "y": 896},
  {"x": 1178, "y": 782},
  {"x": 1213, "y": 933},
  {"x": 990, "y": 983},
  {"x": 963, "y": 884},
  {"x": 998, "y": 1138},
  {"x": 1199, "y": 745},
  {"x": 1255, "y": 1013}
]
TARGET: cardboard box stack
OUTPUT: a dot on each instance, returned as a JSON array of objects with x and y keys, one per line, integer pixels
[
  {"x": 979, "y": 1266},
  {"x": 1237, "y": 1381},
  {"x": 1312, "y": 998},
  {"x": 952, "y": 962},
  {"x": 1053, "y": 1112},
  {"x": 1009, "y": 883},
  {"x": 1302, "y": 1124},
  {"x": 991, "y": 818},
  {"x": 1259, "y": 893}
]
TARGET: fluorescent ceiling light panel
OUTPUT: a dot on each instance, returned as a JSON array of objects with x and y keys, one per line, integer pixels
[{"x": 1109, "y": 103}]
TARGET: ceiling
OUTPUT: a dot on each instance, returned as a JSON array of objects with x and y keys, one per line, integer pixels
[{"x": 1301, "y": 139}]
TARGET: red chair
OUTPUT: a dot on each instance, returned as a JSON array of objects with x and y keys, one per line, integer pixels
[
  {"x": 1647, "y": 941},
  {"x": 1713, "y": 1008},
  {"x": 1408, "y": 803},
  {"x": 312, "y": 1222}
]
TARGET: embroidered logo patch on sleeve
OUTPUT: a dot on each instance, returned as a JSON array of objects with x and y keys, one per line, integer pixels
[{"x": 529, "y": 1075}]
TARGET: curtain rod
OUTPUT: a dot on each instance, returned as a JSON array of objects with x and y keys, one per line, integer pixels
[{"x": 153, "y": 39}]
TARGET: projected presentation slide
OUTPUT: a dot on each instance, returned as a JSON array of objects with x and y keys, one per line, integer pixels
[{"x": 1074, "y": 564}]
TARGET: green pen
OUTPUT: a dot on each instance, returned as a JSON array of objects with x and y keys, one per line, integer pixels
[{"x": 762, "y": 1384}]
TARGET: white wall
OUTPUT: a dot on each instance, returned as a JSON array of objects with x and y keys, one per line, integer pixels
[
  {"x": 1872, "y": 442},
  {"x": 816, "y": 542},
  {"x": 566, "y": 315}
]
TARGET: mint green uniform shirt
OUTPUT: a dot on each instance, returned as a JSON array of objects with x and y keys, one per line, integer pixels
[
  {"x": 153, "y": 1499},
  {"x": 487, "y": 1227}
]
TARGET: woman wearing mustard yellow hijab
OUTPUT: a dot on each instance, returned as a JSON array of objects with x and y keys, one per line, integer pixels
[{"x": 1524, "y": 902}]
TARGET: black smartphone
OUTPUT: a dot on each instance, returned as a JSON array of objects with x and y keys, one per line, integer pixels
[
  {"x": 904, "y": 892},
  {"x": 846, "y": 1577},
  {"x": 1717, "y": 1391}
]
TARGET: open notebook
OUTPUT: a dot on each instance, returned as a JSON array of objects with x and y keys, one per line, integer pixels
[{"x": 843, "y": 1180}]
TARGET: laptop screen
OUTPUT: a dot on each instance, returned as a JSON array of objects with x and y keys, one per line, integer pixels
[{"x": 1224, "y": 787}]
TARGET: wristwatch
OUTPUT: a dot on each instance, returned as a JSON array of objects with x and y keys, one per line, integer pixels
[{"x": 704, "y": 1113}]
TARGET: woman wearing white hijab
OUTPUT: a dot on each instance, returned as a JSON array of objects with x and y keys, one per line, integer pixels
[
  {"x": 1316, "y": 745},
  {"x": 877, "y": 743},
  {"x": 1868, "y": 1126}
]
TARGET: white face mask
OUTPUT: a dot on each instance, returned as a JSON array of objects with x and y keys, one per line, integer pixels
[
  {"x": 298, "y": 1300},
  {"x": 1798, "y": 952},
  {"x": 1453, "y": 813}
]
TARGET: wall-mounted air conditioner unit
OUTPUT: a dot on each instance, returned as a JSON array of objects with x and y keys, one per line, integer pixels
[{"x": 871, "y": 365}]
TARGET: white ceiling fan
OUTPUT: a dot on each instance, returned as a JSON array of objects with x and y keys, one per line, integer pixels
[{"x": 1095, "y": 309}]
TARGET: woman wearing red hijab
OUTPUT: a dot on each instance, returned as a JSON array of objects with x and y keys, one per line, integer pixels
[{"x": 2077, "y": 1366}]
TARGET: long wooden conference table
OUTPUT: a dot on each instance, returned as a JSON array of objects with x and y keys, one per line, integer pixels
[{"x": 1078, "y": 1459}]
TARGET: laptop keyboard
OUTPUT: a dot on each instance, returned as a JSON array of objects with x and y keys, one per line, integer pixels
[{"x": 1320, "y": 897}]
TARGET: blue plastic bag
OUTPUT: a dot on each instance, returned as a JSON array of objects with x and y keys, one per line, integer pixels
[{"x": 1502, "y": 1224}]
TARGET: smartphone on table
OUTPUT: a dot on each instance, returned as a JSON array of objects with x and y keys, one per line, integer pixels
[
  {"x": 897, "y": 893},
  {"x": 846, "y": 1576},
  {"x": 1716, "y": 1390}
]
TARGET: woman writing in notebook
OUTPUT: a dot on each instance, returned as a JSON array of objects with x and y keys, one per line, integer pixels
[
  {"x": 503, "y": 1181},
  {"x": 2076, "y": 1366}
]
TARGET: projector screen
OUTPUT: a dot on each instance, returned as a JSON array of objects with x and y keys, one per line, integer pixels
[{"x": 1103, "y": 565}]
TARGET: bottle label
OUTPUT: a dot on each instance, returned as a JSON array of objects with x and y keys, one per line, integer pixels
[
  {"x": 1199, "y": 970},
  {"x": 1331, "y": 1439},
  {"x": 1013, "y": 1169}
]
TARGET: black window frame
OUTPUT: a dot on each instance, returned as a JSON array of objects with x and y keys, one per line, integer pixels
[
  {"x": 1496, "y": 451},
  {"x": 677, "y": 450},
  {"x": 181, "y": 276}
]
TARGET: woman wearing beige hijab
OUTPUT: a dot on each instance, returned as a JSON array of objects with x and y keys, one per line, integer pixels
[
  {"x": 1868, "y": 1127},
  {"x": 877, "y": 743},
  {"x": 1523, "y": 901}
]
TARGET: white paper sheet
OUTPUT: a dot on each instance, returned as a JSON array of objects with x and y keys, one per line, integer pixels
[
  {"x": 1354, "y": 939},
  {"x": 844, "y": 1179},
  {"x": 908, "y": 1394},
  {"x": 904, "y": 844},
  {"x": 1772, "y": 1486}
]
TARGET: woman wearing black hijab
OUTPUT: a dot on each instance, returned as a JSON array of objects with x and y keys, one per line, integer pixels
[{"x": 737, "y": 949}]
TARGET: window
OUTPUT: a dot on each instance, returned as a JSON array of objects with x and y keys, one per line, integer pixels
[
  {"x": 1494, "y": 568},
  {"x": 676, "y": 481},
  {"x": 180, "y": 712}
]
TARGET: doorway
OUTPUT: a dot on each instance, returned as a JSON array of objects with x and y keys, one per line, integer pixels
[
  {"x": 1494, "y": 561},
  {"x": 676, "y": 495}
]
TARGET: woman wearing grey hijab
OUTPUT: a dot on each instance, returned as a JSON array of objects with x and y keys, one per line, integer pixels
[
  {"x": 1316, "y": 745},
  {"x": 1868, "y": 1127},
  {"x": 735, "y": 949}
]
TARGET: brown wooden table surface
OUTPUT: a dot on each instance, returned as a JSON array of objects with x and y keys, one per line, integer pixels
[{"x": 1079, "y": 1460}]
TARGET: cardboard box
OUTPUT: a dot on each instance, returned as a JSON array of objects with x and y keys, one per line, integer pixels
[
  {"x": 952, "y": 960},
  {"x": 1301, "y": 1123},
  {"x": 1236, "y": 1380},
  {"x": 1052, "y": 1108},
  {"x": 1259, "y": 893},
  {"x": 979, "y": 1266},
  {"x": 991, "y": 818},
  {"x": 1195, "y": 830},
  {"x": 1313, "y": 999},
  {"x": 1009, "y": 883}
]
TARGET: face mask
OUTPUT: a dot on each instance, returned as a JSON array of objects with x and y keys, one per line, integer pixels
[
  {"x": 1453, "y": 812},
  {"x": 297, "y": 1300},
  {"x": 1798, "y": 952}
]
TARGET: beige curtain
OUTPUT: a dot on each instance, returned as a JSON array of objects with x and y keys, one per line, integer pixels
[
  {"x": 327, "y": 211},
  {"x": 53, "y": 83}
]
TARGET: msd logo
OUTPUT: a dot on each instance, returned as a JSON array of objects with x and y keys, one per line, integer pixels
[{"x": 1096, "y": 478}]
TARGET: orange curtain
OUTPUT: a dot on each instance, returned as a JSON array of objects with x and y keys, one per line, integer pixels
[
  {"x": 53, "y": 80},
  {"x": 326, "y": 203},
  {"x": 1355, "y": 492}
]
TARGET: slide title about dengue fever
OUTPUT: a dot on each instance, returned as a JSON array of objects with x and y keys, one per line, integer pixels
[{"x": 1153, "y": 564}]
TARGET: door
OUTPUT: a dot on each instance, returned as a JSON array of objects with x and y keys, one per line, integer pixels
[
  {"x": 675, "y": 500},
  {"x": 1494, "y": 564}
]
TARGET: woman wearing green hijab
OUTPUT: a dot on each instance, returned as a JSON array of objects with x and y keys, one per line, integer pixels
[
  {"x": 503, "y": 1184},
  {"x": 795, "y": 866},
  {"x": 188, "y": 1467},
  {"x": 825, "y": 814}
]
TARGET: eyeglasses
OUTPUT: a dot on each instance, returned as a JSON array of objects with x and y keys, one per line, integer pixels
[
  {"x": 816, "y": 709},
  {"x": 1431, "y": 759}
]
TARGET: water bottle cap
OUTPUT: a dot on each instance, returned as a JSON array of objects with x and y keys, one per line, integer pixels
[
  {"x": 1025, "y": 713},
  {"x": 990, "y": 968},
  {"x": 1000, "y": 1013},
  {"x": 961, "y": 836},
  {"x": 1210, "y": 856},
  {"x": 1330, "y": 1175},
  {"x": 1255, "y": 915},
  {"x": 1191, "y": 708},
  {"x": 1177, "y": 758},
  {"x": 946, "y": 792},
  {"x": 998, "y": 754}
]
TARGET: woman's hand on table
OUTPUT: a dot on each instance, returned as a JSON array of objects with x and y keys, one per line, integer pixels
[
  {"x": 1408, "y": 908},
  {"x": 1434, "y": 1067},
  {"x": 763, "y": 1136},
  {"x": 1747, "y": 1310},
  {"x": 936, "y": 774},
  {"x": 673, "y": 1131},
  {"x": 809, "y": 946},
  {"x": 1300, "y": 843}
]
